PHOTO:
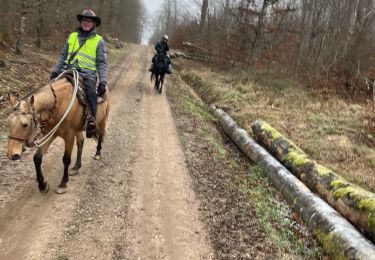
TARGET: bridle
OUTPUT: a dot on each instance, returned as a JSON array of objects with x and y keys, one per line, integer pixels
[
  {"x": 28, "y": 140},
  {"x": 34, "y": 122},
  {"x": 41, "y": 124}
]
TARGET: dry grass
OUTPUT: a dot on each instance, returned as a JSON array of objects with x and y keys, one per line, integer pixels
[{"x": 331, "y": 130}]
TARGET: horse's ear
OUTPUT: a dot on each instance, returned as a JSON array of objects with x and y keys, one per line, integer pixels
[
  {"x": 26, "y": 106},
  {"x": 12, "y": 100}
]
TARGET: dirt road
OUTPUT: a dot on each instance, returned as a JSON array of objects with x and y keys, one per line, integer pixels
[{"x": 136, "y": 203}]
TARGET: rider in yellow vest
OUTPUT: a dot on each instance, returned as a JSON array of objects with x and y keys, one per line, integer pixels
[{"x": 85, "y": 50}]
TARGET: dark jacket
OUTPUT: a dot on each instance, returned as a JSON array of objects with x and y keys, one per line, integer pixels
[
  {"x": 101, "y": 58},
  {"x": 162, "y": 47}
]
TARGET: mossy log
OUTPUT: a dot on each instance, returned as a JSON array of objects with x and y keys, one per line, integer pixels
[
  {"x": 338, "y": 237},
  {"x": 354, "y": 203}
]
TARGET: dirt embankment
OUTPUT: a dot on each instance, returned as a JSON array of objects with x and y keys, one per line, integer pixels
[{"x": 336, "y": 132}]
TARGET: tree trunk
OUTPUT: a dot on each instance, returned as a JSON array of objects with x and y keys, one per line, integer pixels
[
  {"x": 354, "y": 203},
  {"x": 259, "y": 29},
  {"x": 175, "y": 13},
  {"x": 168, "y": 17},
  {"x": 5, "y": 20},
  {"x": 22, "y": 27},
  {"x": 40, "y": 24},
  {"x": 351, "y": 29},
  {"x": 204, "y": 11}
]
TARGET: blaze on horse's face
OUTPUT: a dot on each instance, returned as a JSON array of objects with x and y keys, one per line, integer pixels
[{"x": 21, "y": 128}]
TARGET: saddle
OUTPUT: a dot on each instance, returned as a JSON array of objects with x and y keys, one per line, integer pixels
[{"x": 81, "y": 97}]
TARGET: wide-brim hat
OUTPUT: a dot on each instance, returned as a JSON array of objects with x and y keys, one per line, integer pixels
[{"x": 91, "y": 15}]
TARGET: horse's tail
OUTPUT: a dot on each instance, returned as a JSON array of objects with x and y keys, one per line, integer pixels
[{"x": 105, "y": 108}]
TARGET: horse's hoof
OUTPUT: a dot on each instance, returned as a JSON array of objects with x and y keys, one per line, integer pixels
[
  {"x": 97, "y": 157},
  {"x": 46, "y": 188},
  {"x": 61, "y": 190},
  {"x": 73, "y": 172}
]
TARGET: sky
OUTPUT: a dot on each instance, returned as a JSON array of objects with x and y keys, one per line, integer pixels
[{"x": 152, "y": 6}]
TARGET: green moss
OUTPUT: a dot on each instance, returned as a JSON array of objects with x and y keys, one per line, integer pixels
[
  {"x": 274, "y": 133},
  {"x": 339, "y": 183},
  {"x": 357, "y": 194},
  {"x": 329, "y": 242},
  {"x": 342, "y": 192},
  {"x": 371, "y": 221},
  {"x": 297, "y": 158},
  {"x": 367, "y": 204},
  {"x": 322, "y": 171}
]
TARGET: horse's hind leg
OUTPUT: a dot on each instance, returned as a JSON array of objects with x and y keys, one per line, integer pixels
[
  {"x": 161, "y": 83},
  {"x": 38, "y": 158},
  {"x": 69, "y": 142},
  {"x": 98, "y": 154},
  {"x": 79, "y": 141}
]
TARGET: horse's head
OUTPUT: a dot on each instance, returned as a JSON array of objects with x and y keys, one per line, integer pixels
[{"x": 22, "y": 127}]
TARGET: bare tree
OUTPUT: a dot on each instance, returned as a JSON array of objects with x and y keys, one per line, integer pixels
[
  {"x": 5, "y": 21},
  {"x": 22, "y": 26},
  {"x": 204, "y": 12},
  {"x": 40, "y": 23}
]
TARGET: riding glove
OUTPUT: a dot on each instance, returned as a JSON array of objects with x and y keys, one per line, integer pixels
[
  {"x": 53, "y": 75},
  {"x": 101, "y": 89}
]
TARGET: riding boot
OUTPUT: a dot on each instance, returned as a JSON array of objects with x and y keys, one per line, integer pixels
[{"x": 91, "y": 126}]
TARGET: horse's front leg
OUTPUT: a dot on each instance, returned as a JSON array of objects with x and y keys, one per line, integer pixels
[
  {"x": 38, "y": 159},
  {"x": 79, "y": 141},
  {"x": 69, "y": 142}
]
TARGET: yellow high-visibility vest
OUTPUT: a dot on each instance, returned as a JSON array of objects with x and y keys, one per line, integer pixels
[{"x": 86, "y": 56}]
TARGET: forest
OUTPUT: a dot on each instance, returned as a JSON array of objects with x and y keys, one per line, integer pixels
[
  {"x": 326, "y": 44},
  {"x": 48, "y": 23}
]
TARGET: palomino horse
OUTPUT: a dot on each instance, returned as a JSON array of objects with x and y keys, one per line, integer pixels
[
  {"x": 43, "y": 110},
  {"x": 159, "y": 70}
]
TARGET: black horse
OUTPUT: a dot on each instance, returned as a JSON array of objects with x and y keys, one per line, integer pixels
[{"x": 159, "y": 70}]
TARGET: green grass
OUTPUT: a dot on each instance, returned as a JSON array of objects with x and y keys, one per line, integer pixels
[
  {"x": 115, "y": 55},
  {"x": 61, "y": 256},
  {"x": 272, "y": 214},
  {"x": 371, "y": 162},
  {"x": 196, "y": 109},
  {"x": 276, "y": 223},
  {"x": 275, "y": 80}
]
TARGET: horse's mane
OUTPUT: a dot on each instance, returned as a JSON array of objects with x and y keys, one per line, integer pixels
[{"x": 44, "y": 95}]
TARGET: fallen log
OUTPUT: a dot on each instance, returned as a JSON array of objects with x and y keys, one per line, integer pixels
[
  {"x": 179, "y": 54},
  {"x": 194, "y": 48},
  {"x": 338, "y": 237},
  {"x": 354, "y": 203}
]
